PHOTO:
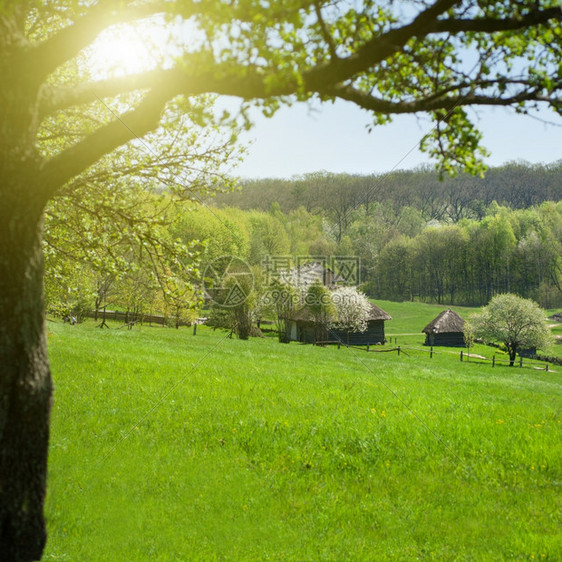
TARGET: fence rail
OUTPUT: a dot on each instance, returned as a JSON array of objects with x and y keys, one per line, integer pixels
[
  {"x": 520, "y": 362},
  {"x": 133, "y": 317}
]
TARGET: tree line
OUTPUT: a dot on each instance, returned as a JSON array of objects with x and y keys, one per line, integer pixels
[
  {"x": 159, "y": 268},
  {"x": 517, "y": 185},
  {"x": 468, "y": 263},
  {"x": 456, "y": 241}
]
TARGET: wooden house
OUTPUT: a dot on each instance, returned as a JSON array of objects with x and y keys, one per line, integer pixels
[
  {"x": 302, "y": 327},
  {"x": 446, "y": 329}
]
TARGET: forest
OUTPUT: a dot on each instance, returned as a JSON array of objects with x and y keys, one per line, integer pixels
[
  {"x": 444, "y": 198},
  {"x": 457, "y": 240},
  {"x": 421, "y": 236}
]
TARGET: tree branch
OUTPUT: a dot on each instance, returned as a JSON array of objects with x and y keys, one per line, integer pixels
[
  {"x": 244, "y": 81},
  {"x": 367, "y": 101},
  {"x": 325, "y": 32},
  {"x": 54, "y": 99},
  {"x": 132, "y": 124},
  {"x": 426, "y": 23},
  {"x": 377, "y": 49},
  {"x": 491, "y": 25},
  {"x": 249, "y": 82}
]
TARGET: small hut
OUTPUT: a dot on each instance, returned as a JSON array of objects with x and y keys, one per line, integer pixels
[
  {"x": 446, "y": 329},
  {"x": 372, "y": 335},
  {"x": 301, "y": 327}
]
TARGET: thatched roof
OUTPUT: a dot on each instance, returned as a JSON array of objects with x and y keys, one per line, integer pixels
[
  {"x": 448, "y": 321},
  {"x": 310, "y": 273},
  {"x": 377, "y": 313},
  {"x": 300, "y": 315},
  {"x": 304, "y": 315}
]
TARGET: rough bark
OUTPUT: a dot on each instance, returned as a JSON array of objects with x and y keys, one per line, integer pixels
[
  {"x": 512, "y": 352},
  {"x": 25, "y": 380},
  {"x": 25, "y": 386}
]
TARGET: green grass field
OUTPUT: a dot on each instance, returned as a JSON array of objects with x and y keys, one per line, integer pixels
[
  {"x": 167, "y": 446},
  {"x": 556, "y": 329},
  {"x": 411, "y": 318}
]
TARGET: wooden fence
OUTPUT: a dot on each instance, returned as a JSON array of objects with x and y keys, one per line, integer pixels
[
  {"x": 464, "y": 356},
  {"x": 130, "y": 318},
  {"x": 519, "y": 361}
]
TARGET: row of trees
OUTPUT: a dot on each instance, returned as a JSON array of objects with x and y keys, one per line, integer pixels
[
  {"x": 154, "y": 261},
  {"x": 158, "y": 266},
  {"x": 517, "y": 185},
  {"x": 468, "y": 263}
]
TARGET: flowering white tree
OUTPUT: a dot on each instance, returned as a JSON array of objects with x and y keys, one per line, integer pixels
[
  {"x": 516, "y": 322},
  {"x": 353, "y": 309}
]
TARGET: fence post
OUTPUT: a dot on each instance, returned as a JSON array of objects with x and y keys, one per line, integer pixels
[
  {"x": 398, "y": 350},
  {"x": 431, "y": 353},
  {"x": 494, "y": 361},
  {"x": 195, "y": 328},
  {"x": 521, "y": 361},
  {"x": 367, "y": 347},
  {"x": 546, "y": 368},
  {"x": 461, "y": 356}
]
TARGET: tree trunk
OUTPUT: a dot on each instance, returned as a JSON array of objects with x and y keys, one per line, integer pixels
[
  {"x": 25, "y": 383},
  {"x": 512, "y": 351}
]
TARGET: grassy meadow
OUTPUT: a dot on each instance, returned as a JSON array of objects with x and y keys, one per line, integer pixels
[
  {"x": 169, "y": 446},
  {"x": 556, "y": 329}
]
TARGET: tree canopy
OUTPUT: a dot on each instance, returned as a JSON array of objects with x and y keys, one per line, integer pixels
[
  {"x": 352, "y": 309},
  {"x": 388, "y": 57},
  {"x": 517, "y": 323}
]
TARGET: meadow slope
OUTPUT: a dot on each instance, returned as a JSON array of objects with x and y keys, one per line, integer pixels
[{"x": 169, "y": 446}]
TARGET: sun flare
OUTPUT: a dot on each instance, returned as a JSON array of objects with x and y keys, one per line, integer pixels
[{"x": 126, "y": 50}]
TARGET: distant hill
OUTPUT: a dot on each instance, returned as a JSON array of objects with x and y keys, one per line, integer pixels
[{"x": 517, "y": 185}]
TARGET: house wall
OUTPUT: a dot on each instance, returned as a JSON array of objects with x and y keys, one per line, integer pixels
[
  {"x": 372, "y": 335},
  {"x": 449, "y": 339},
  {"x": 305, "y": 333},
  {"x": 293, "y": 334},
  {"x": 297, "y": 330}
]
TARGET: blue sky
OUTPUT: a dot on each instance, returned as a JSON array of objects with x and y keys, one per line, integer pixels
[{"x": 333, "y": 137}]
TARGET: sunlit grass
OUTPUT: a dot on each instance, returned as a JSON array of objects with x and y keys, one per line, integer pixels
[
  {"x": 167, "y": 446},
  {"x": 412, "y": 318}
]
